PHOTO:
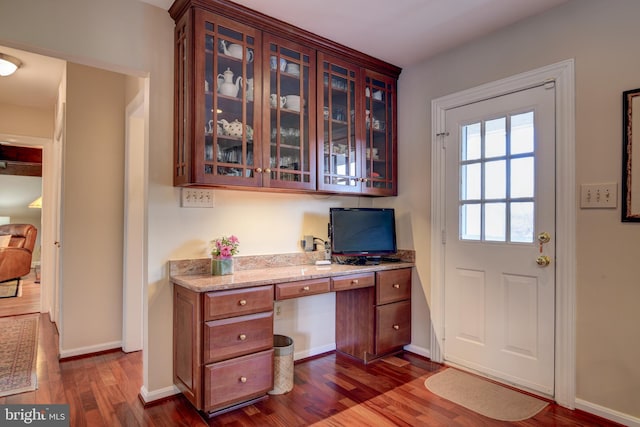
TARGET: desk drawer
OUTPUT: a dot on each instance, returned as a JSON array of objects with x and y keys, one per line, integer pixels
[
  {"x": 302, "y": 288},
  {"x": 393, "y": 285},
  {"x": 237, "y": 380},
  {"x": 237, "y": 336},
  {"x": 393, "y": 326},
  {"x": 237, "y": 302},
  {"x": 352, "y": 281}
]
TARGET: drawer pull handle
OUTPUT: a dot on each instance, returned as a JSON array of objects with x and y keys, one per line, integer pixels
[
  {"x": 305, "y": 288},
  {"x": 242, "y": 337},
  {"x": 354, "y": 282},
  {"x": 396, "y": 286},
  {"x": 243, "y": 379},
  {"x": 396, "y": 327},
  {"x": 242, "y": 302}
]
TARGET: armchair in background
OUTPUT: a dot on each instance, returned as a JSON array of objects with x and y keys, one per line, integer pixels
[{"x": 15, "y": 257}]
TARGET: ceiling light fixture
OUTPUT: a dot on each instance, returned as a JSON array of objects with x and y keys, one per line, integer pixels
[
  {"x": 8, "y": 64},
  {"x": 36, "y": 204}
]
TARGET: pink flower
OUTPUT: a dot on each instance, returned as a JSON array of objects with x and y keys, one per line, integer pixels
[{"x": 225, "y": 247}]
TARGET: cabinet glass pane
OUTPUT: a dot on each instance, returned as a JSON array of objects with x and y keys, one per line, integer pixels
[
  {"x": 289, "y": 86},
  {"x": 229, "y": 98},
  {"x": 378, "y": 135},
  {"x": 340, "y": 151}
]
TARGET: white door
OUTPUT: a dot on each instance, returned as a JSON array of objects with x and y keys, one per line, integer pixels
[{"x": 500, "y": 197}]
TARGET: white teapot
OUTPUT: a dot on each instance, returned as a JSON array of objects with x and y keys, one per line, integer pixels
[
  {"x": 236, "y": 128},
  {"x": 228, "y": 87},
  {"x": 235, "y": 50}
]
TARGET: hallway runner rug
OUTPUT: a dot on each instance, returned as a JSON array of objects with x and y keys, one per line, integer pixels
[
  {"x": 19, "y": 338},
  {"x": 482, "y": 396}
]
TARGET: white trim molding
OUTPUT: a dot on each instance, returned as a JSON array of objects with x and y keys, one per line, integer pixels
[
  {"x": 609, "y": 414},
  {"x": 562, "y": 74},
  {"x": 81, "y": 351}
]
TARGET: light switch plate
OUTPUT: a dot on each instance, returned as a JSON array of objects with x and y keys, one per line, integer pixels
[
  {"x": 197, "y": 198},
  {"x": 603, "y": 196}
]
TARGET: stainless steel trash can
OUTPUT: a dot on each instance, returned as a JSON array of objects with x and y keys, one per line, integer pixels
[{"x": 282, "y": 364}]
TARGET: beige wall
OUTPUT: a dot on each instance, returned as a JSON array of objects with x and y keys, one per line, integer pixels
[
  {"x": 18, "y": 120},
  {"x": 92, "y": 206},
  {"x": 602, "y": 36}
]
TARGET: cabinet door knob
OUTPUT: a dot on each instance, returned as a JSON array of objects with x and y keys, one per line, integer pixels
[
  {"x": 258, "y": 170},
  {"x": 243, "y": 379},
  {"x": 396, "y": 327},
  {"x": 354, "y": 282},
  {"x": 242, "y": 337},
  {"x": 396, "y": 286},
  {"x": 305, "y": 288},
  {"x": 242, "y": 302},
  {"x": 267, "y": 170}
]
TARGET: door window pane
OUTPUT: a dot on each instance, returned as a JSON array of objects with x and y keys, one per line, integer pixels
[
  {"x": 471, "y": 142},
  {"x": 522, "y": 177},
  {"x": 496, "y": 137},
  {"x": 522, "y": 222},
  {"x": 470, "y": 222},
  {"x": 522, "y": 133},
  {"x": 471, "y": 182},
  {"x": 495, "y": 222},
  {"x": 495, "y": 182}
]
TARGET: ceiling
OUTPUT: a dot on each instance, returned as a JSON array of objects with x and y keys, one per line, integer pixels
[{"x": 402, "y": 32}]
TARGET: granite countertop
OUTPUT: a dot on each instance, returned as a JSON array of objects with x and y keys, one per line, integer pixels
[{"x": 273, "y": 275}]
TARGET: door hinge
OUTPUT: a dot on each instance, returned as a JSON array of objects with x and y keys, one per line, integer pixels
[{"x": 444, "y": 237}]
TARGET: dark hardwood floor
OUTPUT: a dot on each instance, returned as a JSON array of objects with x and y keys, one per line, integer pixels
[{"x": 331, "y": 390}]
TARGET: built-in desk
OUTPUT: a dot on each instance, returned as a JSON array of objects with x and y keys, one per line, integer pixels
[{"x": 223, "y": 325}]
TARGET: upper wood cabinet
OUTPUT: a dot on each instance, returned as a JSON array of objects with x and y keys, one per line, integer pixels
[{"x": 262, "y": 104}]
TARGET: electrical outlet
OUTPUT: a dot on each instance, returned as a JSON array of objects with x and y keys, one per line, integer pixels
[
  {"x": 594, "y": 196},
  {"x": 197, "y": 198},
  {"x": 278, "y": 310},
  {"x": 307, "y": 243}
]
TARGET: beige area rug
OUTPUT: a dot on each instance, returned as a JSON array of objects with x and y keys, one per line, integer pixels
[
  {"x": 10, "y": 289},
  {"x": 19, "y": 338},
  {"x": 482, "y": 396}
]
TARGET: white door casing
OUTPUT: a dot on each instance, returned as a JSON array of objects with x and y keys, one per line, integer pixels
[
  {"x": 562, "y": 74},
  {"x": 499, "y": 173}
]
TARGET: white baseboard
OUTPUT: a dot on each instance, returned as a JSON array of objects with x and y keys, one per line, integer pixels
[
  {"x": 420, "y": 351},
  {"x": 90, "y": 349},
  {"x": 609, "y": 414},
  {"x": 163, "y": 393},
  {"x": 313, "y": 351}
]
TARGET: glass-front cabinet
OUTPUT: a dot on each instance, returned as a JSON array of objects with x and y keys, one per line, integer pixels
[
  {"x": 264, "y": 105},
  {"x": 380, "y": 143},
  {"x": 341, "y": 168},
  {"x": 356, "y": 132},
  {"x": 289, "y": 114}
]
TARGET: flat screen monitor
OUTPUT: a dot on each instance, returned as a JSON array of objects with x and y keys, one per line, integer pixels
[{"x": 362, "y": 231}]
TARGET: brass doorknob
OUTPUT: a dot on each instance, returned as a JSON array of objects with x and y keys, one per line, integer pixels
[
  {"x": 243, "y": 379},
  {"x": 242, "y": 302},
  {"x": 258, "y": 170},
  {"x": 544, "y": 237},
  {"x": 242, "y": 337},
  {"x": 396, "y": 327},
  {"x": 543, "y": 260}
]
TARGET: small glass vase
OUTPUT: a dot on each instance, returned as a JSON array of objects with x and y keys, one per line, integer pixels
[{"x": 221, "y": 266}]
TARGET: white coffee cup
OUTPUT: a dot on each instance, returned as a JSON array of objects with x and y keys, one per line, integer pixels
[
  {"x": 293, "y": 68},
  {"x": 292, "y": 102}
]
